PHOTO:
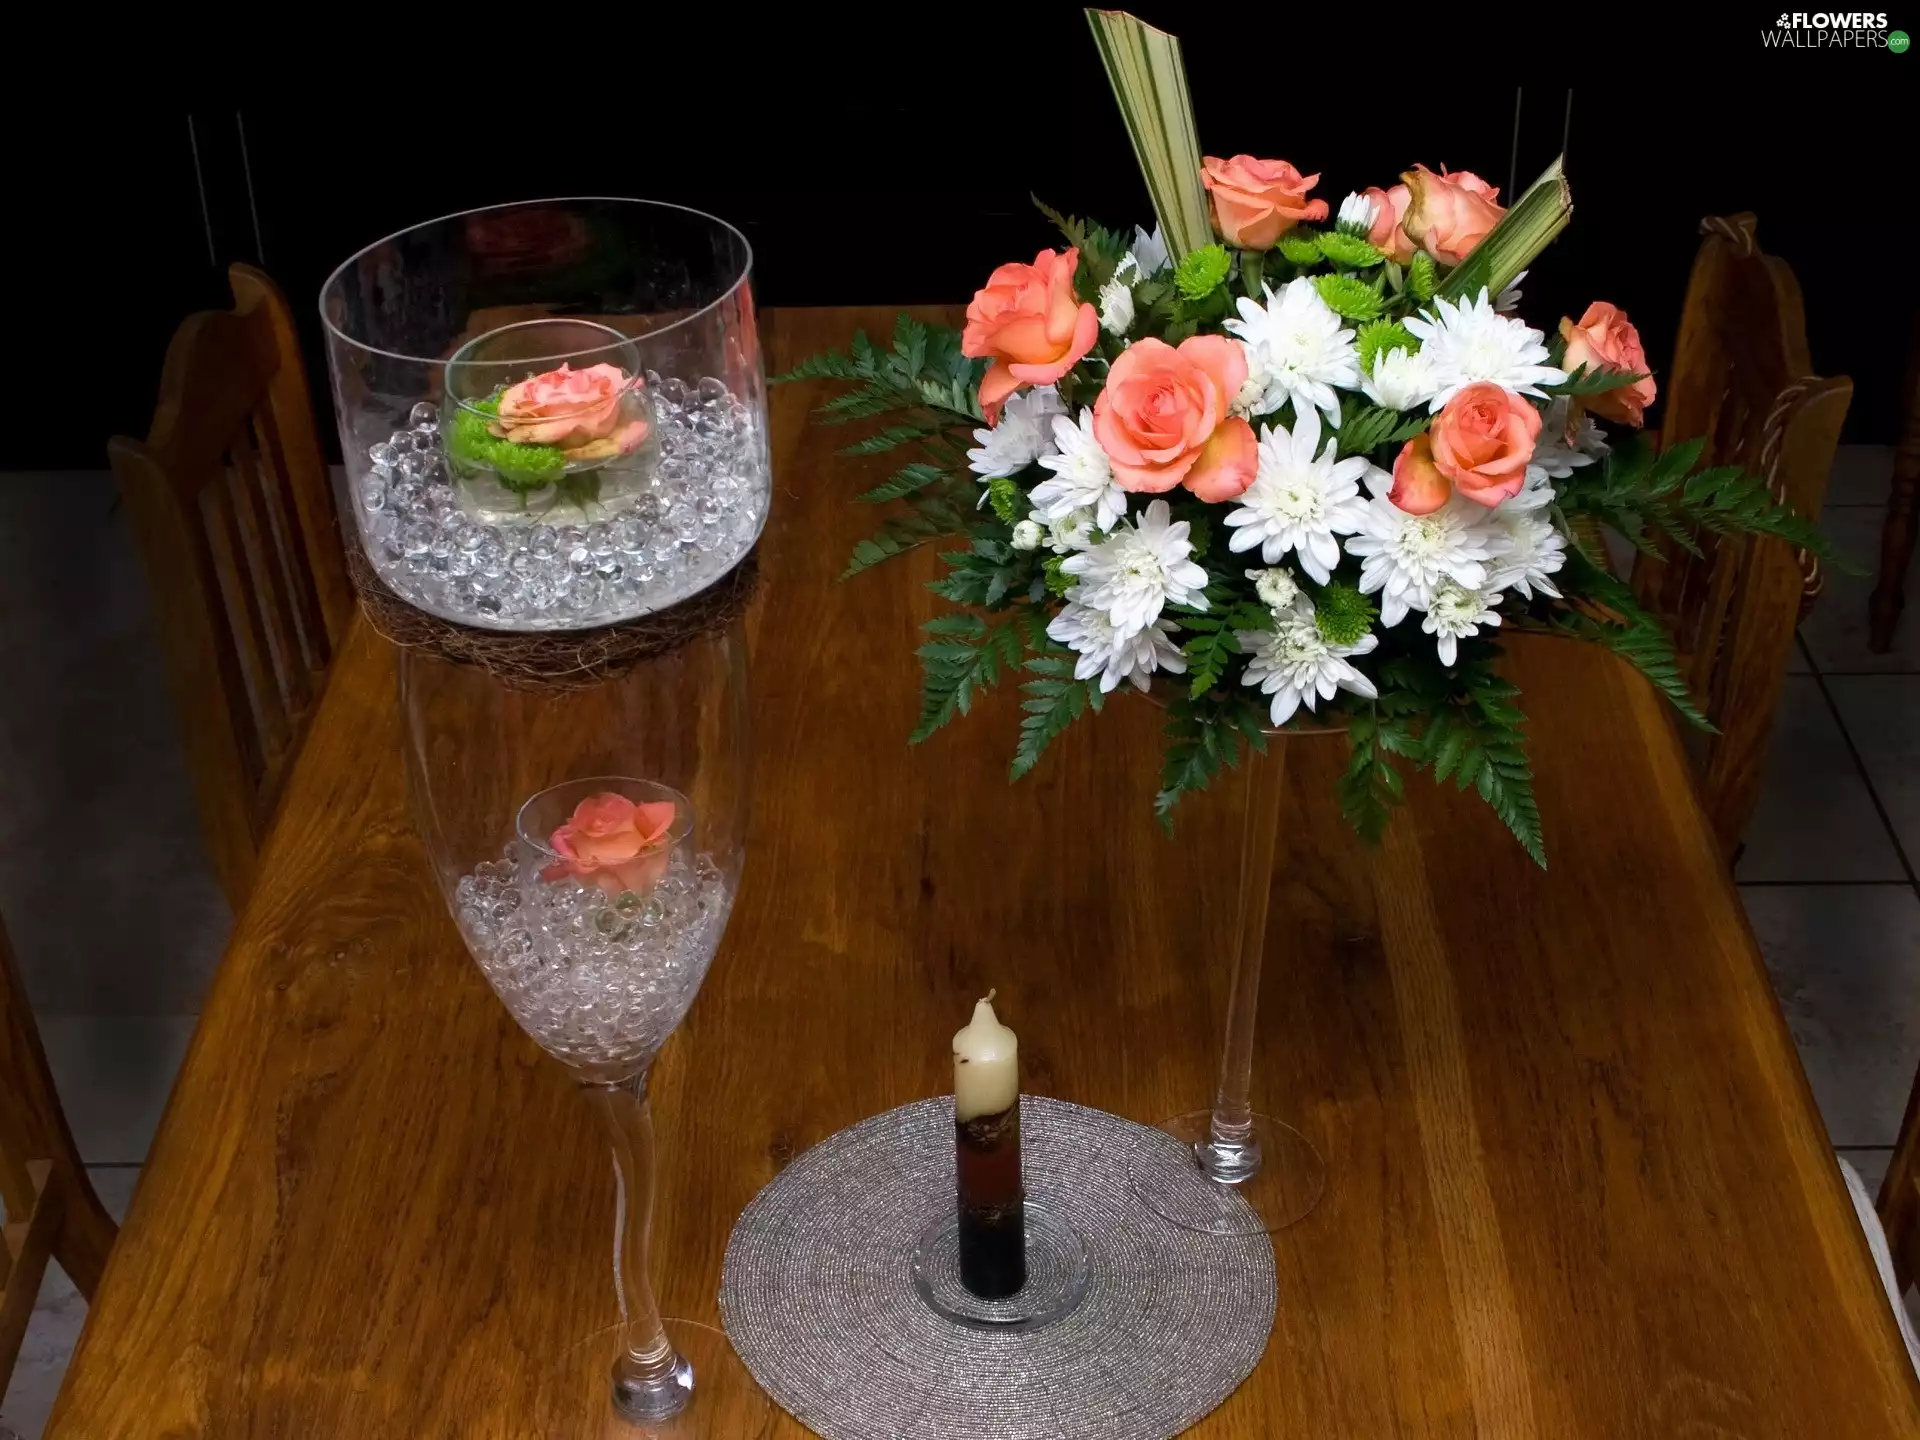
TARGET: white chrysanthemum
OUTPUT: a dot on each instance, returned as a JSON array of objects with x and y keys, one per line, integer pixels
[
  {"x": 1471, "y": 342},
  {"x": 1072, "y": 532},
  {"x": 1133, "y": 573},
  {"x": 1116, "y": 304},
  {"x": 1300, "y": 500},
  {"x": 1401, "y": 380},
  {"x": 1021, "y": 437},
  {"x": 1027, "y": 535},
  {"x": 1149, "y": 251},
  {"x": 1553, "y": 454},
  {"x": 1082, "y": 476},
  {"x": 1456, "y": 613},
  {"x": 1357, "y": 214},
  {"x": 1114, "y": 657},
  {"x": 1295, "y": 664},
  {"x": 1405, "y": 558},
  {"x": 1252, "y": 396},
  {"x": 1307, "y": 354},
  {"x": 1278, "y": 590},
  {"x": 1535, "y": 550},
  {"x": 1590, "y": 439},
  {"x": 1508, "y": 300}
]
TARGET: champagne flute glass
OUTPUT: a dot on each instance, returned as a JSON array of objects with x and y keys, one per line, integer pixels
[{"x": 589, "y": 842}]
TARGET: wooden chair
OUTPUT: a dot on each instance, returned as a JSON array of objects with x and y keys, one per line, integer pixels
[
  {"x": 1741, "y": 377},
  {"x": 1899, "y": 1202},
  {"x": 230, "y": 501},
  {"x": 52, "y": 1210},
  {"x": 1902, "y": 525}
]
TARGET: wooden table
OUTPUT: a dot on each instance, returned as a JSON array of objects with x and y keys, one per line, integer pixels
[{"x": 1578, "y": 1184}]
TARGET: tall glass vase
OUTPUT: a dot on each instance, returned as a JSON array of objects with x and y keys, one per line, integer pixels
[
  {"x": 1265, "y": 1175},
  {"x": 589, "y": 842}
]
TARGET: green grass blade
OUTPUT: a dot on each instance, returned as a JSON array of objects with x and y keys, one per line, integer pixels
[{"x": 1150, "y": 81}]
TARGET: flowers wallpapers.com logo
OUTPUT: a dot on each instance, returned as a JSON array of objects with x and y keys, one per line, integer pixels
[{"x": 1833, "y": 30}]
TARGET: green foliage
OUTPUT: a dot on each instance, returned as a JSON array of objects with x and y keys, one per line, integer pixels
[
  {"x": 1301, "y": 245},
  {"x": 1101, "y": 250},
  {"x": 1349, "y": 297},
  {"x": 1366, "y": 429},
  {"x": 1342, "y": 614},
  {"x": 986, "y": 574},
  {"x": 1423, "y": 278},
  {"x": 1634, "y": 489},
  {"x": 1058, "y": 581},
  {"x": 1636, "y": 636},
  {"x": 930, "y": 517},
  {"x": 923, "y": 371},
  {"x": 1054, "y": 701},
  {"x": 1378, "y": 336},
  {"x": 1527, "y": 228},
  {"x": 1349, "y": 250},
  {"x": 965, "y": 656},
  {"x": 1202, "y": 271},
  {"x": 1371, "y": 787},
  {"x": 904, "y": 482},
  {"x": 1593, "y": 380},
  {"x": 1213, "y": 645},
  {"x": 522, "y": 468},
  {"x": 1204, "y": 736},
  {"x": 1006, "y": 500}
]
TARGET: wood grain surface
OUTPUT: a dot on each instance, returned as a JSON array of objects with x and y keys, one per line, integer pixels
[{"x": 1578, "y": 1186}]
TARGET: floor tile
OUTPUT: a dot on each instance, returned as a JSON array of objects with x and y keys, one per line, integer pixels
[
  {"x": 1816, "y": 819},
  {"x": 114, "y": 1073},
  {"x": 1836, "y": 632},
  {"x": 104, "y": 881},
  {"x": 1882, "y": 714},
  {"x": 55, "y": 1326},
  {"x": 1861, "y": 475},
  {"x": 1845, "y": 961}
]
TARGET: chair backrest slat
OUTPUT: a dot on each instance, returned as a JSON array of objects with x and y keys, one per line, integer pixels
[
  {"x": 230, "y": 500},
  {"x": 1742, "y": 380}
]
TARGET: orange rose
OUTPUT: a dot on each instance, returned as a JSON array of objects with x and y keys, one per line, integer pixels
[
  {"x": 1390, "y": 208},
  {"x": 1606, "y": 340},
  {"x": 1028, "y": 323},
  {"x": 581, "y": 411},
  {"x": 611, "y": 842},
  {"x": 1418, "y": 486},
  {"x": 1449, "y": 213},
  {"x": 1255, "y": 202},
  {"x": 1482, "y": 441},
  {"x": 1162, "y": 418}
]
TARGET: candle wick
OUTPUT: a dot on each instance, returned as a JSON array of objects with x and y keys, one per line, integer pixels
[{"x": 991, "y": 993}]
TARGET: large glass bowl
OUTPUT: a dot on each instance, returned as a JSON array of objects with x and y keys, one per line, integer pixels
[{"x": 553, "y": 414}]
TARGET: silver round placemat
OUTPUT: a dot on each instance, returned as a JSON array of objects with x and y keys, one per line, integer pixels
[{"x": 818, "y": 1298}]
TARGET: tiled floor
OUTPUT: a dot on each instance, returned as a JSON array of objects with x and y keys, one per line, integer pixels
[{"x": 116, "y": 953}]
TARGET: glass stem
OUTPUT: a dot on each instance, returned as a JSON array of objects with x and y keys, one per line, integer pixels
[
  {"x": 1231, "y": 1153},
  {"x": 651, "y": 1380}
]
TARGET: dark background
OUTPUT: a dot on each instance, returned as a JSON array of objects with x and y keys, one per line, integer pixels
[{"x": 899, "y": 171}]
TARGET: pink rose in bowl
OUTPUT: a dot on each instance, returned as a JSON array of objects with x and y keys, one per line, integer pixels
[
  {"x": 1482, "y": 441},
  {"x": 584, "y": 412},
  {"x": 1389, "y": 209},
  {"x": 1028, "y": 322},
  {"x": 1606, "y": 340},
  {"x": 1449, "y": 213},
  {"x": 1255, "y": 202},
  {"x": 1162, "y": 418},
  {"x": 613, "y": 843}
]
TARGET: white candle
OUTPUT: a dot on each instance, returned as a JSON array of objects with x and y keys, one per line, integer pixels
[{"x": 986, "y": 1065}]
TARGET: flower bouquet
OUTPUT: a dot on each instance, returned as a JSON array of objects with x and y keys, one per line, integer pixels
[{"x": 1282, "y": 456}]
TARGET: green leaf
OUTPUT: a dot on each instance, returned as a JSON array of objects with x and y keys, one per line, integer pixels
[
  {"x": 1208, "y": 652},
  {"x": 1422, "y": 277},
  {"x": 1639, "y": 638},
  {"x": 1349, "y": 250},
  {"x": 1349, "y": 297},
  {"x": 1203, "y": 271},
  {"x": 1301, "y": 245},
  {"x": 1515, "y": 241},
  {"x": 1366, "y": 429},
  {"x": 930, "y": 518},
  {"x": 1371, "y": 787},
  {"x": 1378, "y": 336},
  {"x": 1593, "y": 380},
  {"x": 891, "y": 438},
  {"x": 1149, "y": 80},
  {"x": 1203, "y": 737},
  {"x": 1054, "y": 701},
  {"x": 903, "y": 482},
  {"x": 966, "y": 657}
]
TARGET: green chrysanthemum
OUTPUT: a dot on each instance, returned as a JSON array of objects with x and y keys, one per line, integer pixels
[
  {"x": 1343, "y": 614},
  {"x": 472, "y": 446},
  {"x": 1004, "y": 496},
  {"x": 1202, "y": 272}
]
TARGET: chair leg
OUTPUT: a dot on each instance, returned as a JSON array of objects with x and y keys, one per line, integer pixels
[
  {"x": 87, "y": 1233},
  {"x": 1903, "y": 514}
]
